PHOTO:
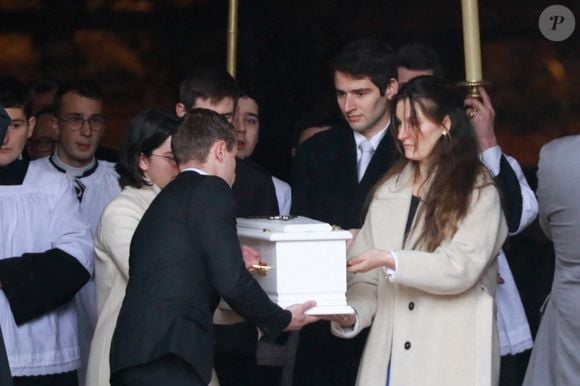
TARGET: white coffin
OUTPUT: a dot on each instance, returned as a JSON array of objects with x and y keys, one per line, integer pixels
[{"x": 306, "y": 260}]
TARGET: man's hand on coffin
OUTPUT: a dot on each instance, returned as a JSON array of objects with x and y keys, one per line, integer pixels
[
  {"x": 370, "y": 259},
  {"x": 299, "y": 318}
]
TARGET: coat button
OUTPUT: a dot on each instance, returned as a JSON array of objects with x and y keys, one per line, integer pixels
[
  {"x": 407, "y": 345},
  {"x": 411, "y": 306}
]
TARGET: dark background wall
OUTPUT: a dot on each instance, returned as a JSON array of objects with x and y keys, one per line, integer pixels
[{"x": 140, "y": 50}]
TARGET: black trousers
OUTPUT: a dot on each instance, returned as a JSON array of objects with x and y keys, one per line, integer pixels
[
  {"x": 235, "y": 359},
  {"x": 322, "y": 359},
  {"x": 63, "y": 379},
  {"x": 169, "y": 370}
]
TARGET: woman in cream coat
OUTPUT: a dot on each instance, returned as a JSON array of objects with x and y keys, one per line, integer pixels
[
  {"x": 146, "y": 165},
  {"x": 423, "y": 267}
]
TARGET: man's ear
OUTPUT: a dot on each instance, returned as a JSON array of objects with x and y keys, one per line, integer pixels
[
  {"x": 219, "y": 150},
  {"x": 392, "y": 89},
  {"x": 31, "y": 124},
  {"x": 55, "y": 126},
  {"x": 180, "y": 110}
]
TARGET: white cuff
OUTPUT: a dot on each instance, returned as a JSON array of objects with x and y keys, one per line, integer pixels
[
  {"x": 346, "y": 332},
  {"x": 390, "y": 272},
  {"x": 491, "y": 158}
]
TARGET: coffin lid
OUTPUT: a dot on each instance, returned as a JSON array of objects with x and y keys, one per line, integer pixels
[{"x": 285, "y": 224}]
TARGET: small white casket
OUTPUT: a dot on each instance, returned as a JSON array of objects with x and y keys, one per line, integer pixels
[{"x": 303, "y": 259}]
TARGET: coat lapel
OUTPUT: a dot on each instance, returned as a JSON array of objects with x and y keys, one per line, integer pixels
[
  {"x": 348, "y": 156},
  {"x": 342, "y": 177}
]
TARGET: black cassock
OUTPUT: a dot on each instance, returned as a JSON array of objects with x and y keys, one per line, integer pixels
[{"x": 5, "y": 376}]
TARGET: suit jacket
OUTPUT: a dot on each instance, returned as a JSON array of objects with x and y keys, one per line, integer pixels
[
  {"x": 434, "y": 320},
  {"x": 325, "y": 183},
  {"x": 254, "y": 191},
  {"x": 184, "y": 255},
  {"x": 555, "y": 359}
]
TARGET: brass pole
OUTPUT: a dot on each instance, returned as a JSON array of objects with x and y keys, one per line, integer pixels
[
  {"x": 232, "y": 37},
  {"x": 472, "y": 48},
  {"x": 471, "y": 40}
]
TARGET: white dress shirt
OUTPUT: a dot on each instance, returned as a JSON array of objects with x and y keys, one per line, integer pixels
[{"x": 375, "y": 140}]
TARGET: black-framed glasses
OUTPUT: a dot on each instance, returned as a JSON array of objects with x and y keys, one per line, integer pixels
[
  {"x": 169, "y": 158},
  {"x": 75, "y": 122}
]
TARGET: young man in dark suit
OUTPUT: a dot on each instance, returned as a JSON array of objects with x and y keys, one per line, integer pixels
[
  {"x": 255, "y": 195},
  {"x": 184, "y": 256},
  {"x": 333, "y": 173}
]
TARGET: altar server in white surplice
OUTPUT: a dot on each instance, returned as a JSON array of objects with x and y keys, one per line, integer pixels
[
  {"x": 45, "y": 257},
  {"x": 81, "y": 124},
  {"x": 521, "y": 208}
]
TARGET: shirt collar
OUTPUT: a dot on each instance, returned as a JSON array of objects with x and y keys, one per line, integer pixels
[
  {"x": 72, "y": 171},
  {"x": 375, "y": 139},
  {"x": 198, "y": 171}
]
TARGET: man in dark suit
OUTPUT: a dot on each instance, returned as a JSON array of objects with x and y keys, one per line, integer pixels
[
  {"x": 255, "y": 195},
  {"x": 332, "y": 175},
  {"x": 184, "y": 256}
]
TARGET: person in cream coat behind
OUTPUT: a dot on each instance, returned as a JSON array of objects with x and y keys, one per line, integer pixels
[{"x": 146, "y": 165}]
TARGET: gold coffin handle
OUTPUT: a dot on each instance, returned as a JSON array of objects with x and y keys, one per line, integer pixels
[{"x": 261, "y": 269}]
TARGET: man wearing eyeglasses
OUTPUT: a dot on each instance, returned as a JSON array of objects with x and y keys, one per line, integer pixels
[
  {"x": 40, "y": 95},
  {"x": 214, "y": 89},
  {"x": 80, "y": 125},
  {"x": 44, "y": 137}
]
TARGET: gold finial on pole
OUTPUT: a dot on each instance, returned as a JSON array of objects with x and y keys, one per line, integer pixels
[
  {"x": 471, "y": 47},
  {"x": 232, "y": 37}
]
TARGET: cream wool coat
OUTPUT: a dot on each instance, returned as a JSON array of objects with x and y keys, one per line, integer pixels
[
  {"x": 112, "y": 240},
  {"x": 435, "y": 319}
]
